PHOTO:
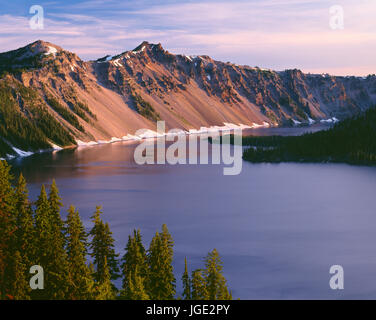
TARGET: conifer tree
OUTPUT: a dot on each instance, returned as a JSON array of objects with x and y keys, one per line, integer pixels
[
  {"x": 135, "y": 289},
  {"x": 168, "y": 254},
  {"x": 80, "y": 278},
  {"x": 22, "y": 258},
  {"x": 154, "y": 285},
  {"x": 55, "y": 206},
  {"x": 59, "y": 263},
  {"x": 134, "y": 258},
  {"x": 43, "y": 238},
  {"x": 25, "y": 233},
  {"x": 102, "y": 249},
  {"x": 104, "y": 289},
  {"x": 215, "y": 281},
  {"x": 161, "y": 279},
  {"x": 199, "y": 291},
  {"x": 167, "y": 239},
  {"x": 19, "y": 286},
  {"x": 186, "y": 283},
  {"x": 50, "y": 253},
  {"x": 7, "y": 230}
]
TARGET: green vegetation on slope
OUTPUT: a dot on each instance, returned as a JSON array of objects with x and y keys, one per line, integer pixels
[
  {"x": 34, "y": 233},
  {"x": 144, "y": 108},
  {"x": 25, "y": 122},
  {"x": 350, "y": 141},
  {"x": 19, "y": 60},
  {"x": 64, "y": 113},
  {"x": 79, "y": 109}
]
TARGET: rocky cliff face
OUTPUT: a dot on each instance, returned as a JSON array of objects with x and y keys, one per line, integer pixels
[{"x": 50, "y": 96}]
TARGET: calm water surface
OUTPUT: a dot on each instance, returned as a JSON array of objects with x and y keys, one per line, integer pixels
[{"x": 278, "y": 227}]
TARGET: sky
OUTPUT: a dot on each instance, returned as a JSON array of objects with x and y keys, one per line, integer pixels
[{"x": 275, "y": 34}]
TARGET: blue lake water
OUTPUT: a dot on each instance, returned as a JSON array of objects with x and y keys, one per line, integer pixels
[{"x": 278, "y": 227}]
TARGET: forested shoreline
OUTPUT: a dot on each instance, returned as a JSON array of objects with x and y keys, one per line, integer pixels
[
  {"x": 83, "y": 265},
  {"x": 349, "y": 141}
]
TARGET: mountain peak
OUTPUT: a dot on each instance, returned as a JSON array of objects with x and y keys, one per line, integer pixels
[
  {"x": 32, "y": 56},
  {"x": 144, "y": 47},
  {"x": 31, "y": 50},
  {"x": 44, "y": 47},
  {"x": 148, "y": 45},
  {"x": 140, "y": 46}
]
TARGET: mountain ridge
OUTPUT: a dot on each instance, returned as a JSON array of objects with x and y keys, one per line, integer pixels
[{"x": 114, "y": 96}]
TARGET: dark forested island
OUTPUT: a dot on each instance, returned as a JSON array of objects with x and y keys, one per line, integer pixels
[{"x": 351, "y": 141}]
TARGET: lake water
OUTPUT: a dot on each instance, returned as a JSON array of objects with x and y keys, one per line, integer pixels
[{"x": 278, "y": 227}]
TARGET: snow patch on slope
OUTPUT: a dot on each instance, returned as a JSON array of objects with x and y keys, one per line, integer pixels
[
  {"x": 311, "y": 121},
  {"x": 51, "y": 50},
  {"x": 296, "y": 122},
  {"x": 22, "y": 153},
  {"x": 117, "y": 63},
  {"x": 150, "y": 134},
  {"x": 142, "y": 49},
  {"x": 330, "y": 120}
]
